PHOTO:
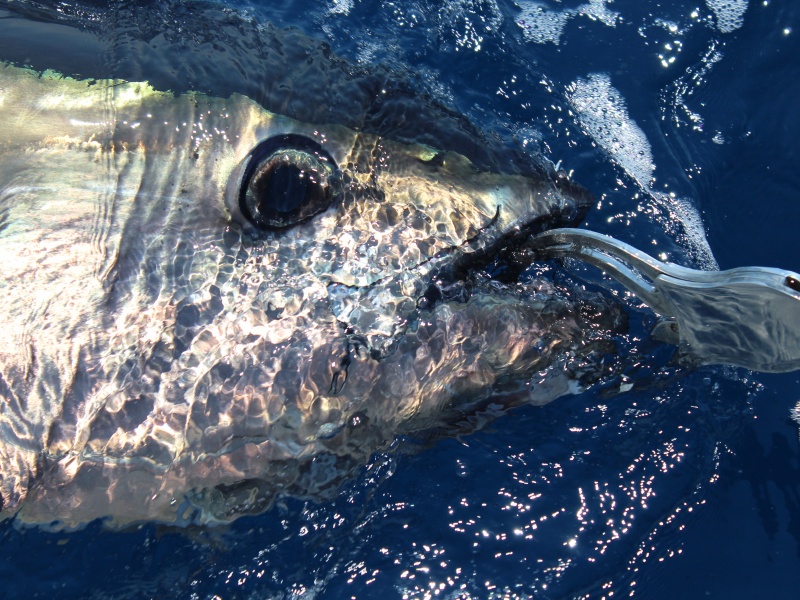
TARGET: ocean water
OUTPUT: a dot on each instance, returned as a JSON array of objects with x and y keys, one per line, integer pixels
[{"x": 682, "y": 118}]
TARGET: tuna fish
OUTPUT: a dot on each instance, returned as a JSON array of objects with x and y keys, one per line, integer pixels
[{"x": 207, "y": 304}]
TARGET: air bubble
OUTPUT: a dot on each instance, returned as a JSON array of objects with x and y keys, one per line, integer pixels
[
  {"x": 540, "y": 24},
  {"x": 604, "y": 114},
  {"x": 729, "y": 13}
]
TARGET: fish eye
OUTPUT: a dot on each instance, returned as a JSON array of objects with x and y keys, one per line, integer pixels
[{"x": 287, "y": 180}]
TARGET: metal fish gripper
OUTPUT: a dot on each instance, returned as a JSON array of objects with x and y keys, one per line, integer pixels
[{"x": 747, "y": 316}]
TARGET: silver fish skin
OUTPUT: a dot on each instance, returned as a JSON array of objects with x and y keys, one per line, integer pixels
[{"x": 163, "y": 359}]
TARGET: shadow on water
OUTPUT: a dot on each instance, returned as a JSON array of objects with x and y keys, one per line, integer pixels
[{"x": 774, "y": 476}]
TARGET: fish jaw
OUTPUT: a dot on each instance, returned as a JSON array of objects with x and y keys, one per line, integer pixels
[
  {"x": 329, "y": 408},
  {"x": 158, "y": 351}
]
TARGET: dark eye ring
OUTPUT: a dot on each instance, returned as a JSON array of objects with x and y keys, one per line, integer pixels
[{"x": 287, "y": 180}]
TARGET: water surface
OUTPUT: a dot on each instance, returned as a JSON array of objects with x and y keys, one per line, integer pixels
[{"x": 682, "y": 119}]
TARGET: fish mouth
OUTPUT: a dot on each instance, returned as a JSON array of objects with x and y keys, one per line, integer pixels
[
  {"x": 572, "y": 333},
  {"x": 492, "y": 262},
  {"x": 503, "y": 256},
  {"x": 479, "y": 326}
]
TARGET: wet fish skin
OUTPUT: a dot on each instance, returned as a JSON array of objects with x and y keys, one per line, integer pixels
[{"x": 161, "y": 359}]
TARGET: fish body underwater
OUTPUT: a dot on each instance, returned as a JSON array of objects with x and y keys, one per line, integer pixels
[{"x": 207, "y": 304}]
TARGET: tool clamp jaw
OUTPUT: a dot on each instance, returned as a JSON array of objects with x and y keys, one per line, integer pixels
[{"x": 747, "y": 317}]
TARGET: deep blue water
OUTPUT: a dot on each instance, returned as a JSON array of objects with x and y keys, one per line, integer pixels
[{"x": 685, "y": 486}]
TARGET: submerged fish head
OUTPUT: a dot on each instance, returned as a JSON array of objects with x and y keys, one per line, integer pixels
[{"x": 211, "y": 304}]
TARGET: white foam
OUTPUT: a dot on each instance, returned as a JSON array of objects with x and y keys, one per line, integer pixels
[
  {"x": 603, "y": 114},
  {"x": 795, "y": 414},
  {"x": 598, "y": 10},
  {"x": 729, "y": 13},
  {"x": 341, "y": 7},
  {"x": 540, "y": 24},
  {"x": 692, "y": 233}
]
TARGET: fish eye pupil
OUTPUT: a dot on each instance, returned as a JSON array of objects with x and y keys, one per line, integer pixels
[
  {"x": 288, "y": 180},
  {"x": 283, "y": 189}
]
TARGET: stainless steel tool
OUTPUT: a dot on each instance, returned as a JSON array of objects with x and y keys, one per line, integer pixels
[{"x": 748, "y": 316}]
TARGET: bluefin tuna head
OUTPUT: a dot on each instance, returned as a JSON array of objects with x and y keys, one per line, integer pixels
[{"x": 207, "y": 304}]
